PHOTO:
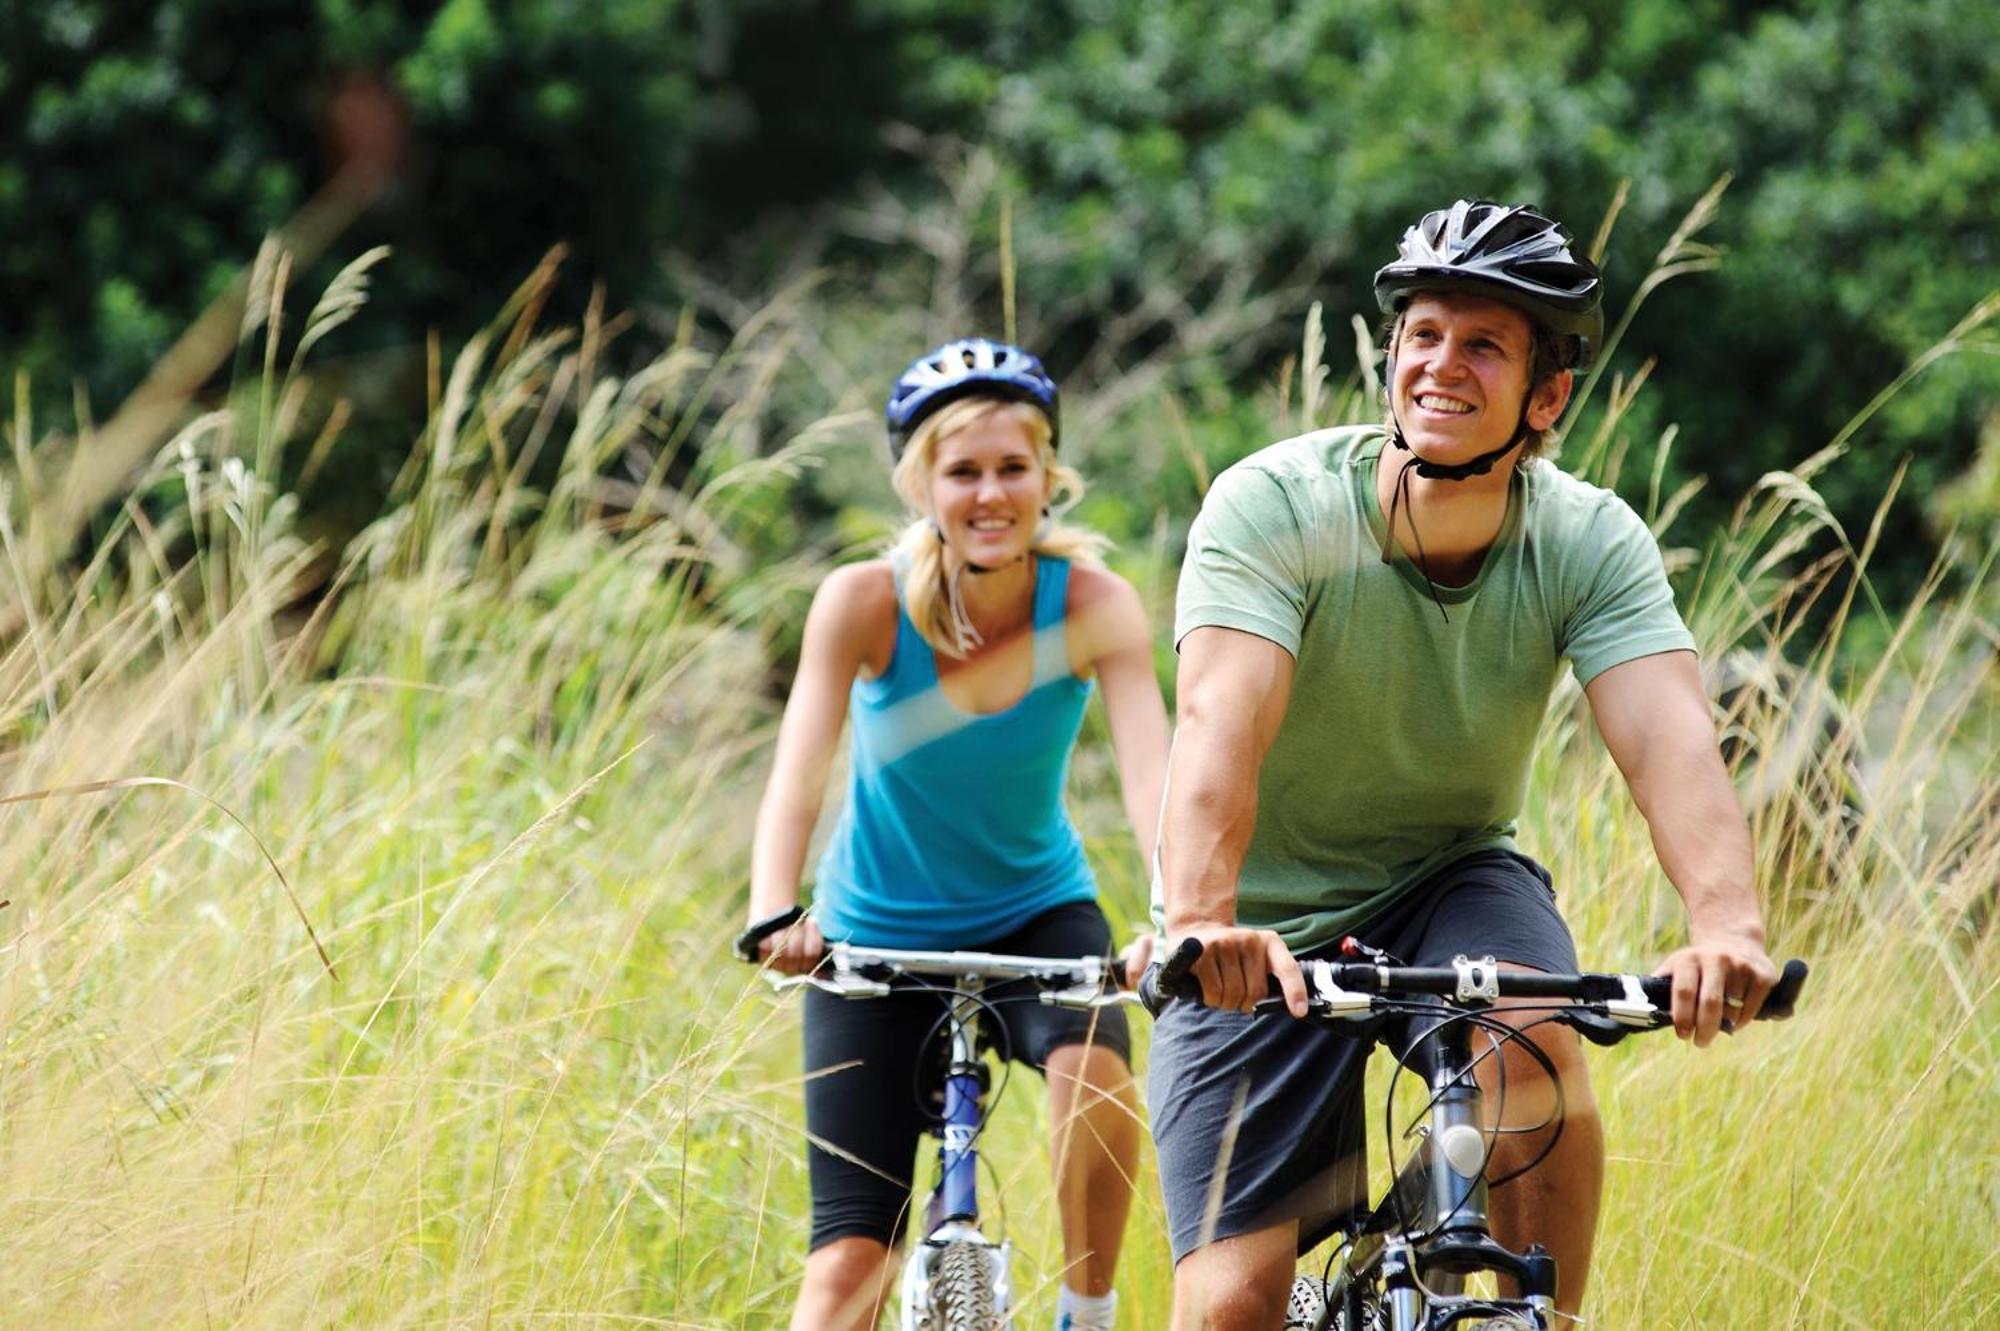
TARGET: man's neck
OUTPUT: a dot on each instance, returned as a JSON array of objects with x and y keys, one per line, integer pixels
[{"x": 1455, "y": 522}]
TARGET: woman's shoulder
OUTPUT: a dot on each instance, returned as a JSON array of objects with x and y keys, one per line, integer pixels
[
  {"x": 1092, "y": 583},
  {"x": 858, "y": 595},
  {"x": 854, "y": 616},
  {"x": 1104, "y": 610}
]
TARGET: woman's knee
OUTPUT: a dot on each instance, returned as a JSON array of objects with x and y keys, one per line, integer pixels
[
  {"x": 846, "y": 1283},
  {"x": 1088, "y": 1073},
  {"x": 845, "y": 1266}
]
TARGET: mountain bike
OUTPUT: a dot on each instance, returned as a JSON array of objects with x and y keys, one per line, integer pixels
[
  {"x": 955, "y": 1278},
  {"x": 1403, "y": 1262}
]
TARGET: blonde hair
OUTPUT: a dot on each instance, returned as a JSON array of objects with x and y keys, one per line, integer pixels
[{"x": 931, "y": 575}]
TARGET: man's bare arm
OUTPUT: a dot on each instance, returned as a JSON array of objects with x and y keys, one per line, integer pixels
[
  {"x": 1655, "y": 721},
  {"x": 1232, "y": 692}
]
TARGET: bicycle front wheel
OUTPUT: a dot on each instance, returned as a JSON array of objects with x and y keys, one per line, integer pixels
[
  {"x": 1315, "y": 1305},
  {"x": 1308, "y": 1309},
  {"x": 964, "y": 1292}
]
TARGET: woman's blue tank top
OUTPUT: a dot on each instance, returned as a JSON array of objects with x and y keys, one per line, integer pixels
[{"x": 954, "y": 831}]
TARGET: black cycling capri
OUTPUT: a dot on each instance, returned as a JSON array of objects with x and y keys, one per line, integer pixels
[
  {"x": 1292, "y": 1090},
  {"x": 864, "y": 1121}
]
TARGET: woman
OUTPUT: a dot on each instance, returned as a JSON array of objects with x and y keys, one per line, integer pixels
[{"x": 965, "y": 659}]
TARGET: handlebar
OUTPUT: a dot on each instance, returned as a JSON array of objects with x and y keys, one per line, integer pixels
[
  {"x": 1608, "y": 1006},
  {"x": 853, "y": 971},
  {"x": 1164, "y": 981}
]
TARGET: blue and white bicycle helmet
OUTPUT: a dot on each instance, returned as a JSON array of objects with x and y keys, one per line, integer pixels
[{"x": 957, "y": 369}]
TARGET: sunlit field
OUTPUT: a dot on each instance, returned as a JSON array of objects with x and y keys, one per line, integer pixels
[{"x": 385, "y": 985}]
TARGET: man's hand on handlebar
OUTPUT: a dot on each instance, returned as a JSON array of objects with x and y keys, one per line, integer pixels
[
  {"x": 1720, "y": 983},
  {"x": 1236, "y": 964}
]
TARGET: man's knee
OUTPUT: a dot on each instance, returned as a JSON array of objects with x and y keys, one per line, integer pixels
[
  {"x": 1096, "y": 1066},
  {"x": 1524, "y": 1084},
  {"x": 1539, "y": 1110},
  {"x": 1235, "y": 1284},
  {"x": 1237, "y": 1309}
]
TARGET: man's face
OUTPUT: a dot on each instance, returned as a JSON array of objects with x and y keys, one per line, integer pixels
[{"x": 1462, "y": 365}]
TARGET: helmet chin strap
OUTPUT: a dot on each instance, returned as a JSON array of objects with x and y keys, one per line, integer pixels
[
  {"x": 969, "y": 638},
  {"x": 1456, "y": 471}
]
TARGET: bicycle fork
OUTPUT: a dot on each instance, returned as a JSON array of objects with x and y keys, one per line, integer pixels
[{"x": 951, "y": 1218}]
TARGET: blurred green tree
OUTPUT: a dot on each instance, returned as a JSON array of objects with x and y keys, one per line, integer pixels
[
  {"x": 150, "y": 148},
  {"x": 1184, "y": 176}
]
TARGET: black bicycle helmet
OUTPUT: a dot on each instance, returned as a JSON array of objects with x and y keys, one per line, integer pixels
[
  {"x": 1506, "y": 252},
  {"x": 958, "y": 369}
]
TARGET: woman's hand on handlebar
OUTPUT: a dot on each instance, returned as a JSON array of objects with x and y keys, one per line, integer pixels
[
  {"x": 793, "y": 951},
  {"x": 1132, "y": 961},
  {"x": 788, "y": 942},
  {"x": 1236, "y": 966}
]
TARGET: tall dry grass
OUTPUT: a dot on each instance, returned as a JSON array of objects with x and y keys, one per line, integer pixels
[{"x": 500, "y": 769}]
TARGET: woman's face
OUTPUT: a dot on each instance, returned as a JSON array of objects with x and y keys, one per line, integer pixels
[{"x": 988, "y": 488}]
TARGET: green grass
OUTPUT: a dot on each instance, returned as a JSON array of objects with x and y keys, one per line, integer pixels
[{"x": 507, "y": 770}]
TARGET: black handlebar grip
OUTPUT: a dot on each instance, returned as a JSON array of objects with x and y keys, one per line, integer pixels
[
  {"x": 1784, "y": 994},
  {"x": 745, "y": 946},
  {"x": 1165, "y": 981}
]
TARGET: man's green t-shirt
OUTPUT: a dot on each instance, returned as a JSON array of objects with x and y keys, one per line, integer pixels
[{"x": 1407, "y": 740}]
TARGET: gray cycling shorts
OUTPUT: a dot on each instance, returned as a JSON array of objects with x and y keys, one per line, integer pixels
[{"x": 1258, "y": 1120}]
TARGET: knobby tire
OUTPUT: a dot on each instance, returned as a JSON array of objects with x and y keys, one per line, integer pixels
[{"x": 962, "y": 1289}]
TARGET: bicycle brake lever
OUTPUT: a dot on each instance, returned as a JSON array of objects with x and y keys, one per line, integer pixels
[
  {"x": 1632, "y": 1007},
  {"x": 1327, "y": 998},
  {"x": 1083, "y": 996},
  {"x": 1596, "y": 1027},
  {"x": 846, "y": 984}
]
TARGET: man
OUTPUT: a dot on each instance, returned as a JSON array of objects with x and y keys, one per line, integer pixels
[{"x": 1370, "y": 624}]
